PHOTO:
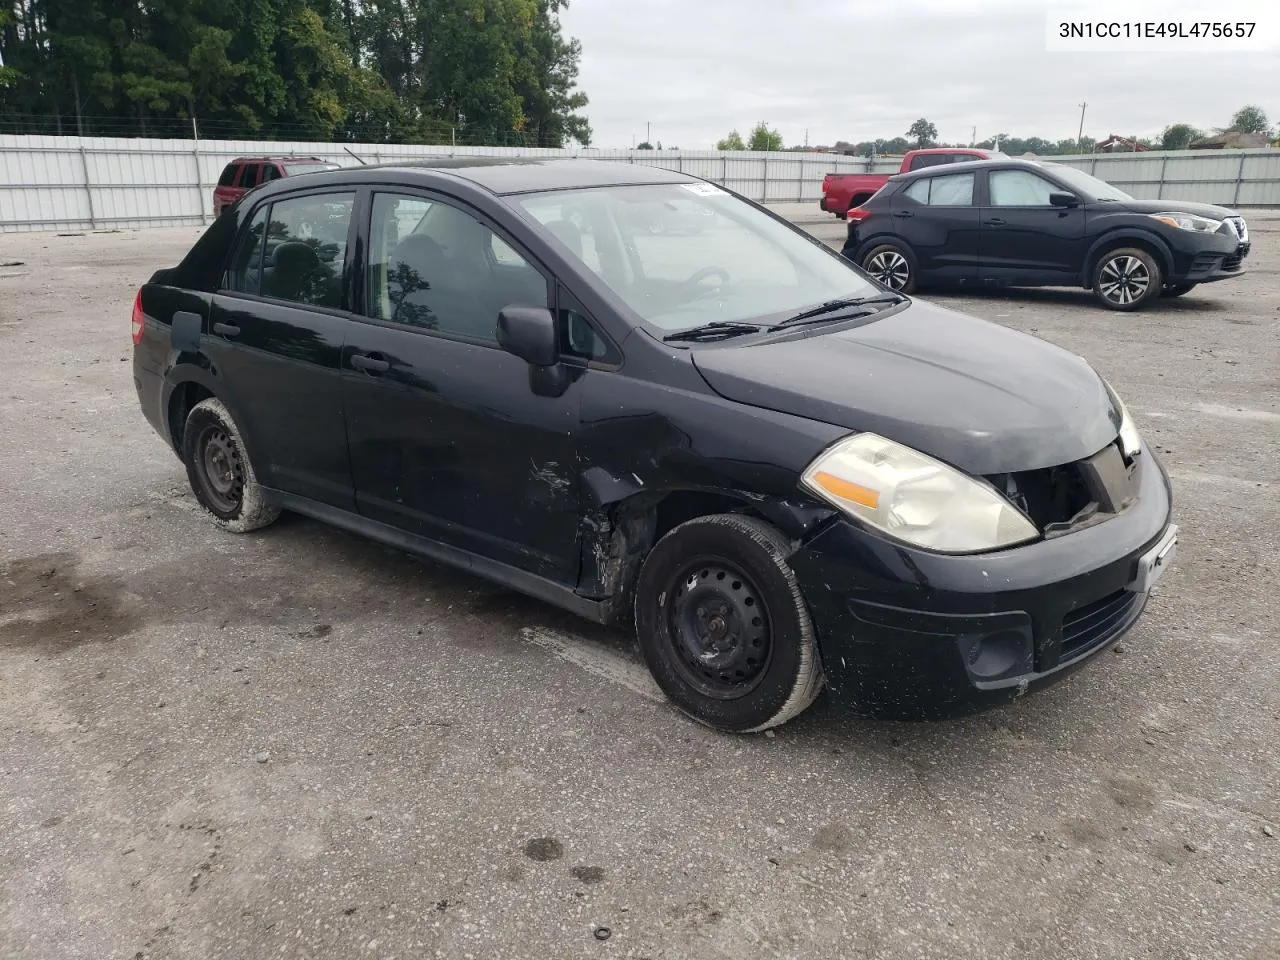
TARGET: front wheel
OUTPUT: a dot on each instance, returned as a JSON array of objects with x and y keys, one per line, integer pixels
[
  {"x": 1126, "y": 278},
  {"x": 889, "y": 265},
  {"x": 1177, "y": 289},
  {"x": 723, "y": 626},
  {"x": 219, "y": 470}
]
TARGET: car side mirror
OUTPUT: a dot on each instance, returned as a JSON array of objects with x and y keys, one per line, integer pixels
[
  {"x": 1063, "y": 200},
  {"x": 530, "y": 334}
]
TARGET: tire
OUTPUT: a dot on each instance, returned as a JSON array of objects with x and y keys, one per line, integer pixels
[
  {"x": 711, "y": 593},
  {"x": 1126, "y": 278},
  {"x": 1177, "y": 289},
  {"x": 891, "y": 266},
  {"x": 219, "y": 470}
]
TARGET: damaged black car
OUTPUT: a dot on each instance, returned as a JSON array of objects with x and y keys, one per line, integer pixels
[{"x": 785, "y": 476}]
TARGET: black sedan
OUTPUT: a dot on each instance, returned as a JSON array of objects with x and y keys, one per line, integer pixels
[
  {"x": 784, "y": 475},
  {"x": 1027, "y": 223}
]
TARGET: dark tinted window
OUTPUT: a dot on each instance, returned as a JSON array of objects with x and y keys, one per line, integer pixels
[
  {"x": 249, "y": 175},
  {"x": 228, "y": 175},
  {"x": 929, "y": 160},
  {"x": 307, "y": 248},
  {"x": 434, "y": 265},
  {"x": 270, "y": 172},
  {"x": 245, "y": 272},
  {"x": 948, "y": 190}
]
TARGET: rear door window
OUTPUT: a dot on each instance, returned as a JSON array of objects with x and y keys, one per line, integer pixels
[
  {"x": 249, "y": 175},
  {"x": 244, "y": 275},
  {"x": 270, "y": 172},
  {"x": 949, "y": 190},
  {"x": 306, "y": 249}
]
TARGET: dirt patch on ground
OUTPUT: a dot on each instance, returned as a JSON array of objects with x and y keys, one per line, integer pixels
[{"x": 47, "y": 605}]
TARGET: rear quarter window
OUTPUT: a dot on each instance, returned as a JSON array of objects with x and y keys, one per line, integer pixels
[{"x": 228, "y": 175}]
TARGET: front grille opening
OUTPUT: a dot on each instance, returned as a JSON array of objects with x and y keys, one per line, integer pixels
[
  {"x": 1231, "y": 263},
  {"x": 1096, "y": 623},
  {"x": 1053, "y": 495}
]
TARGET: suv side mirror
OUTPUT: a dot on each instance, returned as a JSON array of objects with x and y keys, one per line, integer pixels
[
  {"x": 1063, "y": 200},
  {"x": 530, "y": 334}
]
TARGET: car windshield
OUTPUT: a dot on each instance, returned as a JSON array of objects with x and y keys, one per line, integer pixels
[
  {"x": 682, "y": 255},
  {"x": 293, "y": 169},
  {"x": 1089, "y": 186}
]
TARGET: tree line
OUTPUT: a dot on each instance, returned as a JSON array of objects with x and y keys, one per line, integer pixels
[
  {"x": 923, "y": 133},
  {"x": 395, "y": 71}
]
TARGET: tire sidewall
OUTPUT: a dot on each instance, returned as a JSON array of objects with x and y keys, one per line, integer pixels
[
  {"x": 254, "y": 510},
  {"x": 790, "y": 627},
  {"x": 881, "y": 246},
  {"x": 1153, "y": 268}
]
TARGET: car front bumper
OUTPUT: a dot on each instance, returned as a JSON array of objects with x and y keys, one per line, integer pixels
[
  {"x": 910, "y": 634},
  {"x": 1201, "y": 258}
]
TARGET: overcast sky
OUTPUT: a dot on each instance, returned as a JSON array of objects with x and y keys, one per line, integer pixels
[{"x": 860, "y": 69}]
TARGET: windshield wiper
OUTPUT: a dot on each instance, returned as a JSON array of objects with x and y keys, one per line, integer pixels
[
  {"x": 715, "y": 330},
  {"x": 833, "y": 306}
]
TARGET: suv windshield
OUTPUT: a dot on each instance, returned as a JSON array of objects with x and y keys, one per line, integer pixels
[
  {"x": 1083, "y": 183},
  {"x": 682, "y": 255}
]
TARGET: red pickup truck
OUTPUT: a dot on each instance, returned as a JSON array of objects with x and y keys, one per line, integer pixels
[{"x": 842, "y": 191}]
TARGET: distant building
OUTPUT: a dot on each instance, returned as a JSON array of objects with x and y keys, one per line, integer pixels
[
  {"x": 1114, "y": 144},
  {"x": 1231, "y": 140}
]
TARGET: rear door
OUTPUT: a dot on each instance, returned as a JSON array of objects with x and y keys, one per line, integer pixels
[
  {"x": 938, "y": 218},
  {"x": 1024, "y": 237},
  {"x": 275, "y": 338}
]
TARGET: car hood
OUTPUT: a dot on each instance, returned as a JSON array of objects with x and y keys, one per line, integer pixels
[
  {"x": 1177, "y": 206},
  {"x": 974, "y": 394}
]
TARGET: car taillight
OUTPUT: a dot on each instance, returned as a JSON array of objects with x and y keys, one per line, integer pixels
[
  {"x": 138, "y": 320},
  {"x": 859, "y": 213}
]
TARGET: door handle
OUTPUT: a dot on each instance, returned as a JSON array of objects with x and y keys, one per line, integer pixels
[
  {"x": 994, "y": 222},
  {"x": 369, "y": 364},
  {"x": 226, "y": 329},
  {"x": 903, "y": 213}
]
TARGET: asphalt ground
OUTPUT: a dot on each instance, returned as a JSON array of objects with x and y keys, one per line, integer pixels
[{"x": 298, "y": 743}]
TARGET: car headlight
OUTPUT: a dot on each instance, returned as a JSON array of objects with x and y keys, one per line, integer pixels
[
  {"x": 1130, "y": 439},
  {"x": 1188, "y": 221},
  {"x": 912, "y": 497}
]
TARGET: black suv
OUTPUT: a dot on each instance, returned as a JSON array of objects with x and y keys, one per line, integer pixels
[
  {"x": 783, "y": 474},
  {"x": 1027, "y": 223}
]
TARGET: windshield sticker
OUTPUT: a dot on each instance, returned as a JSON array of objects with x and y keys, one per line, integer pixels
[{"x": 704, "y": 189}]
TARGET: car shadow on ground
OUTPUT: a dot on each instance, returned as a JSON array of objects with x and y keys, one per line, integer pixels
[{"x": 1193, "y": 302}]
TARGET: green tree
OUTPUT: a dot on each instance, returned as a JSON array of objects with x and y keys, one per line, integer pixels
[
  {"x": 923, "y": 133},
  {"x": 644, "y": 145},
  {"x": 764, "y": 139},
  {"x": 732, "y": 142},
  {"x": 1250, "y": 119},
  {"x": 1179, "y": 136}
]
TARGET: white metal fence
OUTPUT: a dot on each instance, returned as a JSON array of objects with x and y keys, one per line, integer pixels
[
  {"x": 74, "y": 183},
  {"x": 103, "y": 183}
]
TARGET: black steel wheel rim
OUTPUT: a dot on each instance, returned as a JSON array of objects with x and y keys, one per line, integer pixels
[
  {"x": 719, "y": 628},
  {"x": 220, "y": 469}
]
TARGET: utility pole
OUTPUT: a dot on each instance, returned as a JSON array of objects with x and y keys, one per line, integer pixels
[
  {"x": 806, "y": 138},
  {"x": 647, "y": 132},
  {"x": 1080, "y": 132},
  {"x": 973, "y": 136}
]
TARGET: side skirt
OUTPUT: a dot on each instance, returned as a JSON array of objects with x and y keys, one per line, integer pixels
[{"x": 500, "y": 573}]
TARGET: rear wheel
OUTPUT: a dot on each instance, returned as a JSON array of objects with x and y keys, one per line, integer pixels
[
  {"x": 1177, "y": 289},
  {"x": 1126, "y": 278},
  {"x": 723, "y": 626},
  {"x": 890, "y": 265},
  {"x": 219, "y": 470}
]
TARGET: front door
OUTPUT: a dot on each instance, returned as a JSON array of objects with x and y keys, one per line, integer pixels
[
  {"x": 275, "y": 339},
  {"x": 938, "y": 218},
  {"x": 1024, "y": 237},
  {"x": 447, "y": 440}
]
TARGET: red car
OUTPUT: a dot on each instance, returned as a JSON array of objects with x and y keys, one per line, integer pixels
[
  {"x": 843, "y": 191},
  {"x": 244, "y": 173}
]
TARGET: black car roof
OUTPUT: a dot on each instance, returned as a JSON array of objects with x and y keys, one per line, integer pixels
[
  {"x": 508, "y": 175},
  {"x": 1003, "y": 163}
]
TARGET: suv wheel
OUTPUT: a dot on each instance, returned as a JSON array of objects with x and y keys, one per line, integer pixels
[
  {"x": 219, "y": 470},
  {"x": 891, "y": 266},
  {"x": 1126, "y": 278},
  {"x": 723, "y": 627}
]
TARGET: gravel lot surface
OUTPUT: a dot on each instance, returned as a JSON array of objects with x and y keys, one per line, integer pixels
[{"x": 300, "y": 744}]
